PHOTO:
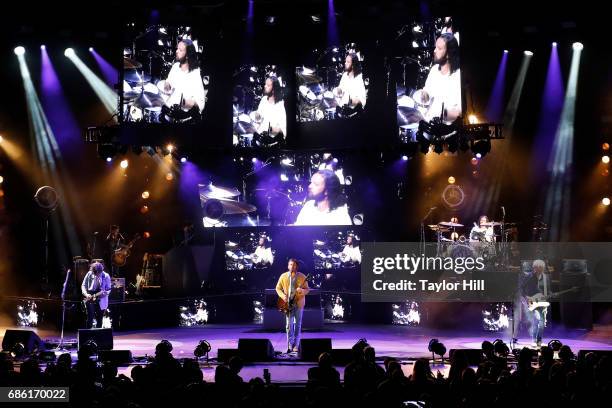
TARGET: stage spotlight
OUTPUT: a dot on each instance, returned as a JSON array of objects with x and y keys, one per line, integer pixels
[
  {"x": 90, "y": 49},
  {"x": 271, "y": 20},
  {"x": 19, "y": 50},
  {"x": 473, "y": 119},
  {"x": 286, "y": 161},
  {"x": 183, "y": 159},
  {"x": 284, "y": 177},
  {"x": 505, "y": 51},
  {"x": 69, "y": 52},
  {"x": 605, "y": 146},
  {"x": 1, "y": 139},
  {"x": 145, "y": 194},
  {"x": 605, "y": 201},
  {"x": 451, "y": 180},
  {"x": 18, "y": 350},
  {"x": 577, "y": 46},
  {"x": 435, "y": 347},
  {"x": 358, "y": 219},
  {"x": 254, "y": 160},
  {"x": 144, "y": 209},
  {"x": 500, "y": 347},
  {"x": 404, "y": 158},
  {"x": 481, "y": 147},
  {"x": 555, "y": 345},
  {"x": 124, "y": 164},
  {"x": 605, "y": 159},
  {"x": 107, "y": 151},
  {"x": 169, "y": 176},
  {"x": 43, "y": 47},
  {"x": 170, "y": 148},
  {"x": 1, "y": 179},
  {"x": 554, "y": 44},
  {"x": 109, "y": 159},
  {"x": 146, "y": 234},
  {"x": 202, "y": 349},
  {"x": 528, "y": 53}
]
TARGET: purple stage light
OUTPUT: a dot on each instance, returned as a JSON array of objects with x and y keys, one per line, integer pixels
[
  {"x": 56, "y": 107},
  {"x": 332, "y": 28},
  {"x": 254, "y": 159},
  {"x": 110, "y": 73},
  {"x": 550, "y": 113},
  {"x": 495, "y": 106},
  {"x": 405, "y": 158}
]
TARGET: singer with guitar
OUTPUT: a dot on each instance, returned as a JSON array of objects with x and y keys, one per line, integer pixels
[
  {"x": 95, "y": 289},
  {"x": 292, "y": 288}
]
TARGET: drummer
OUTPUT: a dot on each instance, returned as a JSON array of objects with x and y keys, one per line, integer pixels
[
  {"x": 184, "y": 83},
  {"x": 483, "y": 232},
  {"x": 271, "y": 116},
  {"x": 351, "y": 89}
]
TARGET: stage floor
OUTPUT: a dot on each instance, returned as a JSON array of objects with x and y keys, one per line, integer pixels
[{"x": 401, "y": 342}]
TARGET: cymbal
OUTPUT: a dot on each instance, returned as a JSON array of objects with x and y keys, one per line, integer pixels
[
  {"x": 491, "y": 224},
  {"x": 438, "y": 228},
  {"x": 231, "y": 207},
  {"x": 129, "y": 63},
  {"x": 407, "y": 116},
  {"x": 446, "y": 239},
  {"x": 243, "y": 128},
  {"x": 307, "y": 76},
  {"x": 450, "y": 224},
  {"x": 148, "y": 100},
  {"x": 135, "y": 77},
  {"x": 540, "y": 228},
  {"x": 212, "y": 191}
]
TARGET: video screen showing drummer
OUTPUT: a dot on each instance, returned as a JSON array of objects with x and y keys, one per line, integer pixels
[
  {"x": 249, "y": 251},
  {"x": 163, "y": 77},
  {"x": 337, "y": 250},
  {"x": 427, "y": 76},
  {"x": 259, "y": 114},
  {"x": 332, "y": 84}
]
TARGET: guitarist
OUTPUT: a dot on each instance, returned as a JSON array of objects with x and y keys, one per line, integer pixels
[
  {"x": 95, "y": 289},
  {"x": 537, "y": 284},
  {"x": 292, "y": 287},
  {"x": 114, "y": 241}
]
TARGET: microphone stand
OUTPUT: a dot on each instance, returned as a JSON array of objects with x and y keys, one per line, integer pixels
[
  {"x": 60, "y": 346},
  {"x": 249, "y": 174},
  {"x": 423, "y": 229}
]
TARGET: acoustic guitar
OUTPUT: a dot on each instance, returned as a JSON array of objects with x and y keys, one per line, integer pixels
[
  {"x": 287, "y": 307},
  {"x": 121, "y": 254}
]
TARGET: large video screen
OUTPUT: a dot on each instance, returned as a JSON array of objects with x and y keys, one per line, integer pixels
[
  {"x": 337, "y": 250},
  {"x": 249, "y": 251},
  {"x": 333, "y": 83},
  {"x": 164, "y": 78},
  {"x": 258, "y": 103},
  {"x": 427, "y": 75},
  {"x": 288, "y": 189}
]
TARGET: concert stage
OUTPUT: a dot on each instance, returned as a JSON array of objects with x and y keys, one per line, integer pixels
[{"x": 404, "y": 343}]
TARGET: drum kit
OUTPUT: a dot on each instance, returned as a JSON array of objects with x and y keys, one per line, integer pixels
[
  {"x": 411, "y": 109},
  {"x": 318, "y": 101},
  {"x": 450, "y": 243}
]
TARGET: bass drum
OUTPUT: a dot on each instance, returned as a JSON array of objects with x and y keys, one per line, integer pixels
[{"x": 460, "y": 251}]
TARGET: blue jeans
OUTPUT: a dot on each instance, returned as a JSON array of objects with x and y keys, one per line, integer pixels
[
  {"x": 293, "y": 327},
  {"x": 538, "y": 323}
]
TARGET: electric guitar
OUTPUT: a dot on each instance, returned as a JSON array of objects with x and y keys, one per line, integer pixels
[
  {"x": 120, "y": 255},
  {"x": 287, "y": 307},
  {"x": 539, "y": 300},
  {"x": 94, "y": 297}
]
